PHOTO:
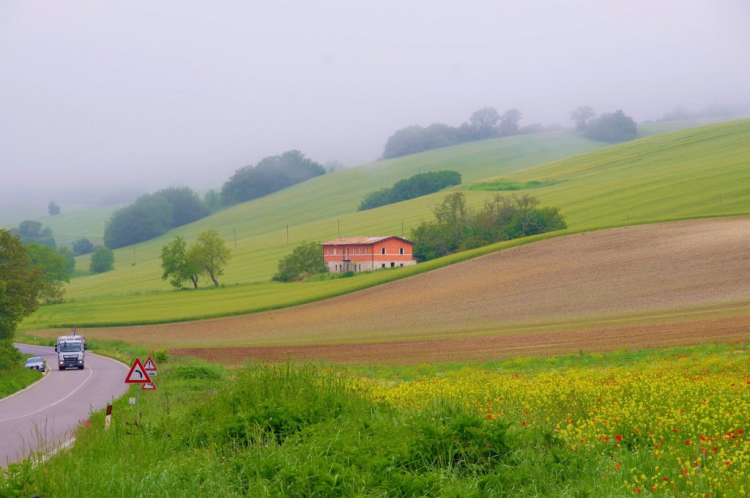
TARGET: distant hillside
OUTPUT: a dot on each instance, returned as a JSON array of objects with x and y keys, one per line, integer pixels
[{"x": 693, "y": 173}]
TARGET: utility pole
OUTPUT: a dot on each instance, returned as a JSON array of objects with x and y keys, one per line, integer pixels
[
  {"x": 402, "y": 228},
  {"x": 338, "y": 227}
]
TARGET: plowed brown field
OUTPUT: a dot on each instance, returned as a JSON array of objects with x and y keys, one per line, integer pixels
[{"x": 653, "y": 285}]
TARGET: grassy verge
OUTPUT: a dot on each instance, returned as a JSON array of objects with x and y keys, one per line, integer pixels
[
  {"x": 531, "y": 427},
  {"x": 14, "y": 379}
]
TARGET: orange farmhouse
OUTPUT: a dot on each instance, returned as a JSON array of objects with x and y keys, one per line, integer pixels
[{"x": 367, "y": 253}]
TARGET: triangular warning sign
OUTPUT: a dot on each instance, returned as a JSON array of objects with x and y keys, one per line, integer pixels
[
  {"x": 137, "y": 374},
  {"x": 149, "y": 366},
  {"x": 148, "y": 387}
]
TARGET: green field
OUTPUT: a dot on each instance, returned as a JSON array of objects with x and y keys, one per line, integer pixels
[{"x": 692, "y": 173}]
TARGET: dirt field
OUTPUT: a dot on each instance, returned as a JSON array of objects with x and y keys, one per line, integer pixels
[{"x": 653, "y": 285}]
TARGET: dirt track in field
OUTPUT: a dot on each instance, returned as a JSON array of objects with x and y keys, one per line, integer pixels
[{"x": 579, "y": 291}]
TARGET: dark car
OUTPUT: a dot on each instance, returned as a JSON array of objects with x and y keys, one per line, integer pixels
[{"x": 36, "y": 363}]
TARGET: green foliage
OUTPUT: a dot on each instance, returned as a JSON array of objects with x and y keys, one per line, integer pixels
[
  {"x": 70, "y": 259},
  {"x": 53, "y": 209},
  {"x": 10, "y": 357},
  {"x": 152, "y": 215},
  {"x": 503, "y": 185},
  {"x": 161, "y": 356},
  {"x": 289, "y": 430},
  {"x": 32, "y": 232},
  {"x": 212, "y": 200},
  {"x": 149, "y": 217},
  {"x": 611, "y": 128},
  {"x": 581, "y": 116},
  {"x": 457, "y": 228},
  {"x": 82, "y": 246},
  {"x": 177, "y": 267},
  {"x": 210, "y": 254},
  {"x": 55, "y": 266},
  {"x": 410, "y": 188},
  {"x": 20, "y": 284},
  {"x": 484, "y": 123},
  {"x": 103, "y": 260},
  {"x": 186, "y": 205},
  {"x": 305, "y": 261},
  {"x": 269, "y": 175}
]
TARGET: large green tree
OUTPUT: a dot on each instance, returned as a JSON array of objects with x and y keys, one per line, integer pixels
[
  {"x": 20, "y": 284},
  {"x": 305, "y": 260},
  {"x": 210, "y": 253},
  {"x": 56, "y": 271},
  {"x": 177, "y": 267}
]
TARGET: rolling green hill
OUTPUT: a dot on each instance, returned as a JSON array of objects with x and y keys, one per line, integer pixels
[{"x": 693, "y": 173}]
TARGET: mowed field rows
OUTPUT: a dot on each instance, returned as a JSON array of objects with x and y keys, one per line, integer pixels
[{"x": 595, "y": 290}]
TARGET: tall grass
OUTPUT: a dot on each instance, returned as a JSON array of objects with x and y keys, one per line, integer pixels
[{"x": 294, "y": 430}]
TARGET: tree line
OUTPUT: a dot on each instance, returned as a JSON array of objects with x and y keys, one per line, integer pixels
[
  {"x": 152, "y": 215},
  {"x": 456, "y": 227},
  {"x": 483, "y": 123},
  {"x": 410, "y": 188}
]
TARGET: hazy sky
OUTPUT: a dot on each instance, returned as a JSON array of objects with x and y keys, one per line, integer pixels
[{"x": 153, "y": 93}]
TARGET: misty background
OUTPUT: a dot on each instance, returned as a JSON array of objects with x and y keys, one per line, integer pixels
[{"x": 103, "y": 101}]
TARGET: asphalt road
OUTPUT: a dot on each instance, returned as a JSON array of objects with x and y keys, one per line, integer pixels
[{"x": 45, "y": 415}]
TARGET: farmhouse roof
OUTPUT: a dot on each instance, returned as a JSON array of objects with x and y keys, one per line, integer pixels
[{"x": 348, "y": 241}]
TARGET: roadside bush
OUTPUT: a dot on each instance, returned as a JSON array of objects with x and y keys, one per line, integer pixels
[{"x": 10, "y": 357}]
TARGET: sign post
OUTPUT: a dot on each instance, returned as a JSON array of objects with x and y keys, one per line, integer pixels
[
  {"x": 137, "y": 375},
  {"x": 108, "y": 418}
]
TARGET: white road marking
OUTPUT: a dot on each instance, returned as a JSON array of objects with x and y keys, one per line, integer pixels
[{"x": 91, "y": 374}]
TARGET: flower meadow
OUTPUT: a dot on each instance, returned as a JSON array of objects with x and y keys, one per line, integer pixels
[{"x": 670, "y": 424}]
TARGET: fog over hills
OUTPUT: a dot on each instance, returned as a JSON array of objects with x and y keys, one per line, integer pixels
[{"x": 138, "y": 95}]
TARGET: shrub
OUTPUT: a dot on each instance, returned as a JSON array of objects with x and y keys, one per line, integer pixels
[
  {"x": 305, "y": 260},
  {"x": 410, "y": 188},
  {"x": 102, "y": 260},
  {"x": 612, "y": 128}
]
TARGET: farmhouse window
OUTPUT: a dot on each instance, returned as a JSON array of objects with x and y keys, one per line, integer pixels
[
  {"x": 382, "y": 251},
  {"x": 401, "y": 251},
  {"x": 383, "y": 266},
  {"x": 393, "y": 264}
]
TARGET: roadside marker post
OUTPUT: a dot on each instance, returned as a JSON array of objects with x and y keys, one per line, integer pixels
[
  {"x": 137, "y": 375},
  {"x": 108, "y": 418}
]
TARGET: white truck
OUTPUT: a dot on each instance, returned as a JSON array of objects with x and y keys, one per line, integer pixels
[{"x": 71, "y": 351}]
